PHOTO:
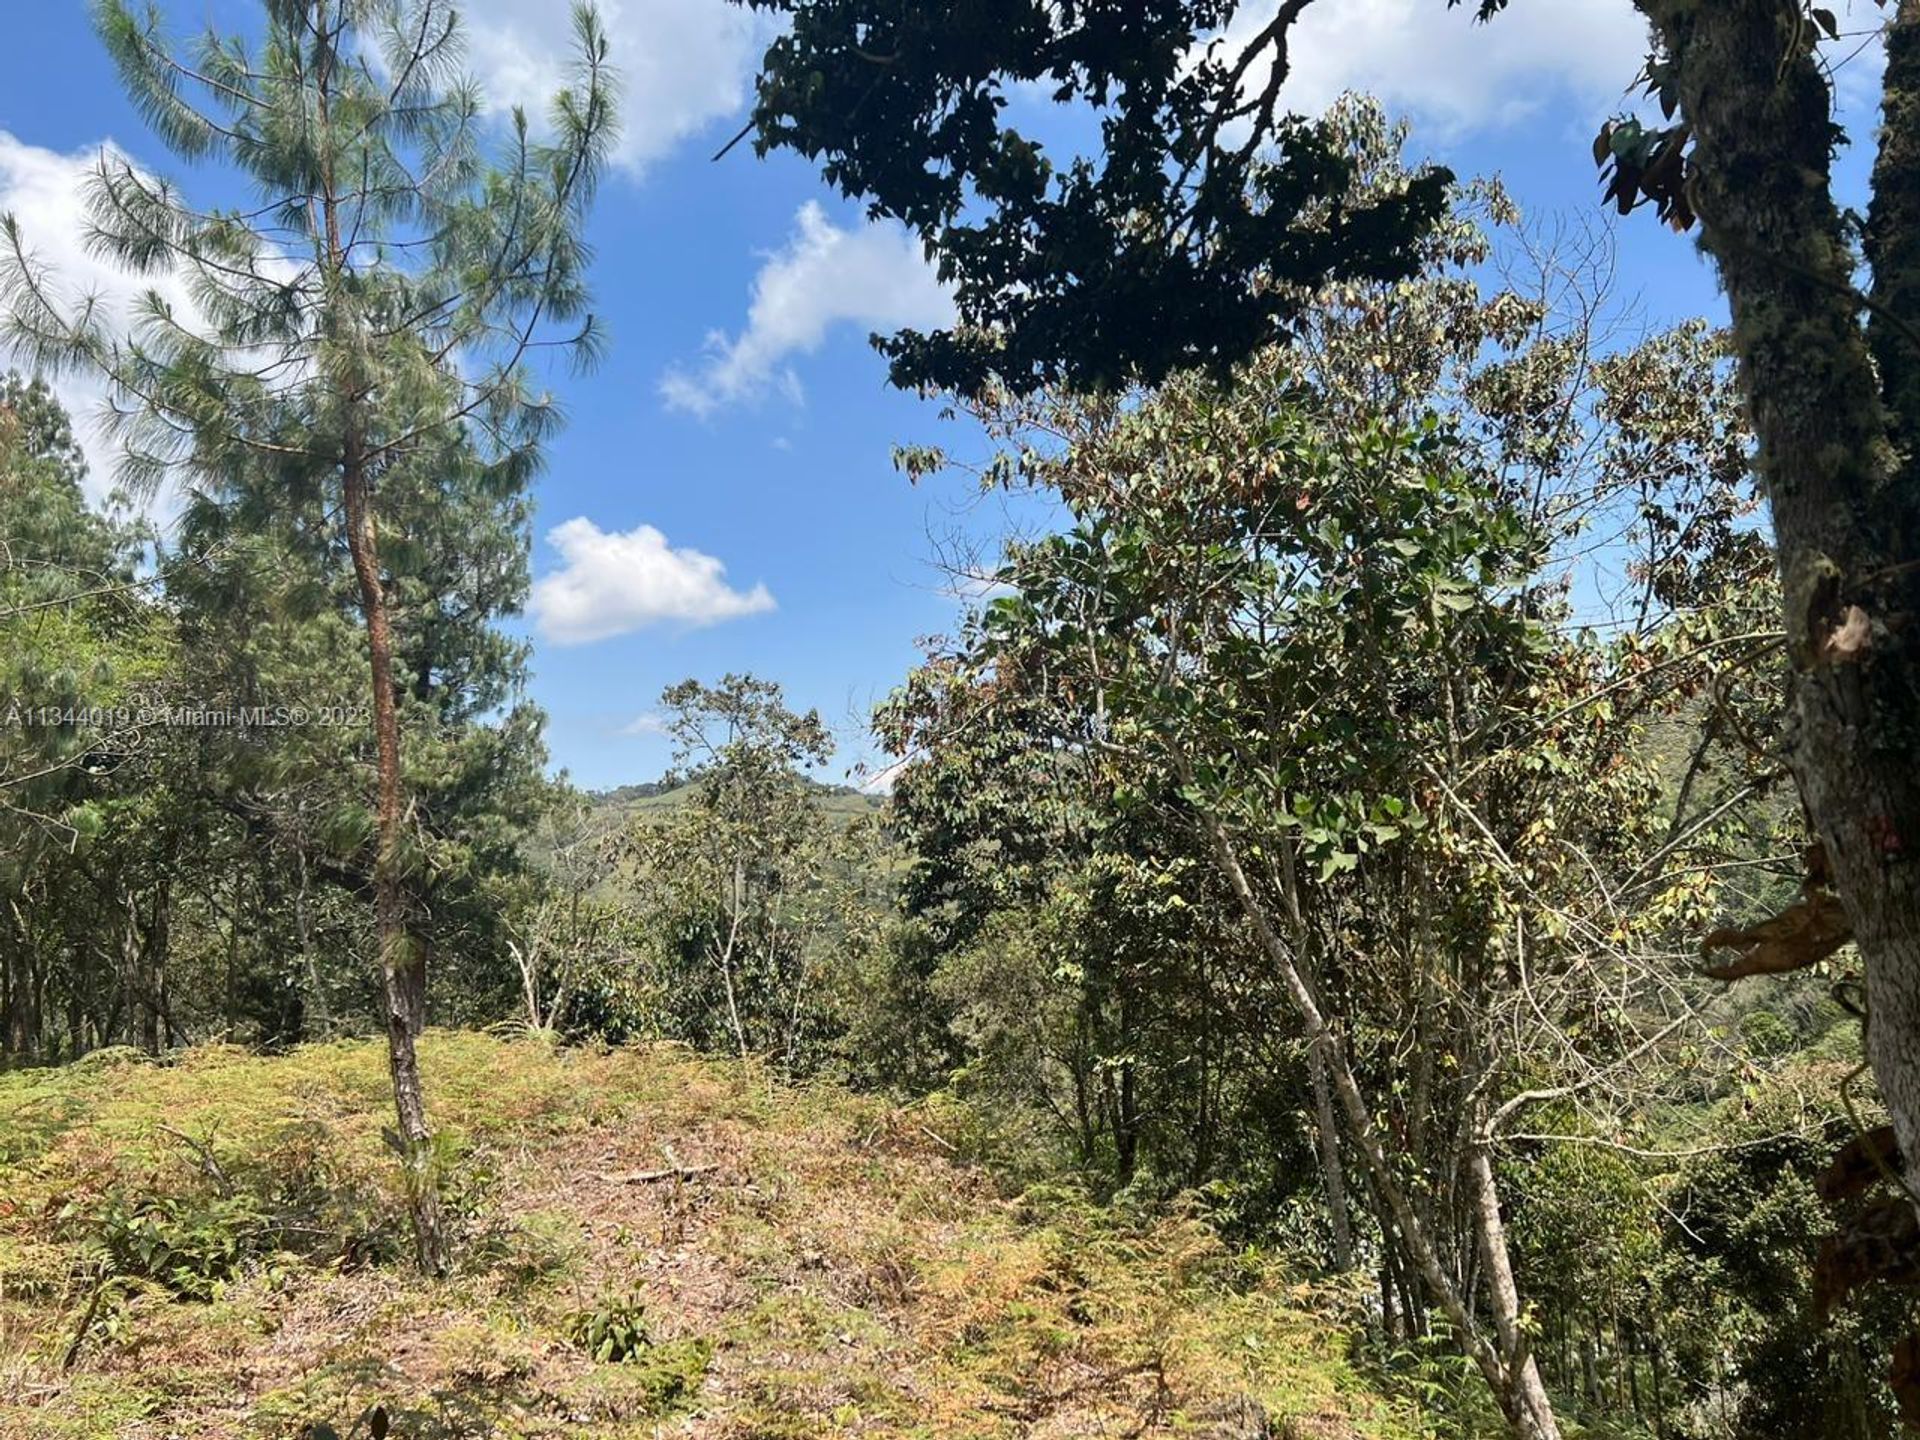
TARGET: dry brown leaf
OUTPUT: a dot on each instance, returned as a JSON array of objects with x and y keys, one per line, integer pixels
[{"x": 1803, "y": 934}]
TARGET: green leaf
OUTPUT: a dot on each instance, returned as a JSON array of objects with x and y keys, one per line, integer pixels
[{"x": 1339, "y": 862}]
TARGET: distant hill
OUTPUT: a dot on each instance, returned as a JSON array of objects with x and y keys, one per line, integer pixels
[{"x": 657, "y": 797}]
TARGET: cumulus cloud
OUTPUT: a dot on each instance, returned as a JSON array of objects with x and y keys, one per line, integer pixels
[
  {"x": 612, "y": 583},
  {"x": 874, "y": 277},
  {"x": 1437, "y": 64},
  {"x": 45, "y": 192},
  {"x": 684, "y": 64}
]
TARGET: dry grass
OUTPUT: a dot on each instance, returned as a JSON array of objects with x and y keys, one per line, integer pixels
[{"x": 835, "y": 1274}]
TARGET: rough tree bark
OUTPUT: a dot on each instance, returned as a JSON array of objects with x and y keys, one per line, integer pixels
[
  {"x": 404, "y": 1018},
  {"x": 1835, "y": 405}
]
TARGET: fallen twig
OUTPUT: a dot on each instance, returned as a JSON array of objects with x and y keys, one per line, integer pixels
[{"x": 670, "y": 1172}]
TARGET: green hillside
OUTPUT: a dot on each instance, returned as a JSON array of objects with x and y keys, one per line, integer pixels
[{"x": 656, "y": 797}]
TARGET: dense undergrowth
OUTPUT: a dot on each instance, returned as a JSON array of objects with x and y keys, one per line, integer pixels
[{"x": 651, "y": 1244}]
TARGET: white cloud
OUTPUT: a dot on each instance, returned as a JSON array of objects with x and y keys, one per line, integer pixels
[
  {"x": 974, "y": 587},
  {"x": 613, "y": 583},
  {"x": 649, "y": 722},
  {"x": 875, "y": 277},
  {"x": 683, "y": 64},
  {"x": 45, "y": 192},
  {"x": 881, "y": 780},
  {"x": 1436, "y": 63}
]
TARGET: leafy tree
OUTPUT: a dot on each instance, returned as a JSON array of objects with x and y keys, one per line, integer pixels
[
  {"x": 80, "y": 643},
  {"x": 1754, "y": 1230},
  {"x": 1832, "y": 379},
  {"x": 66, "y": 586},
  {"x": 1094, "y": 990},
  {"x": 1188, "y": 241},
  {"x": 565, "y": 927},
  {"x": 1269, "y": 651},
  {"x": 366, "y": 325},
  {"x": 901, "y": 105},
  {"x": 1307, "y": 657},
  {"x": 735, "y": 879}
]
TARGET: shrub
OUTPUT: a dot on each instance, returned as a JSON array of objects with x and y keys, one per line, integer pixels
[
  {"x": 192, "y": 1232},
  {"x": 612, "y": 1331}
]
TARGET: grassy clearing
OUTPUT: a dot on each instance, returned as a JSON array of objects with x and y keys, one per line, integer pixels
[{"x": 211, "y": 1248}]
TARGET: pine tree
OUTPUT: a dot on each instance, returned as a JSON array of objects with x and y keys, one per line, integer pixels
[{"x": 372, "y": 315}]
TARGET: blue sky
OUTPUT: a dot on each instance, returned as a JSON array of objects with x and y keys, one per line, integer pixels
[{"x": 723, "y": 497}]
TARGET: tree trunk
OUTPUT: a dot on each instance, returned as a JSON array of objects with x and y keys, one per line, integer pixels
[
  {"x": 723, "y": 957},
  {"x": 1122, "y": 1102},
  {"x": 1845, "y": 502},
  {"x": 398, "y": 967},
  {"x": 1659, "y": 1379},
  {"x": 303, "y": 928},
  {"x": 17, "y": 992},
  {"x": 1503, "y": 1297},
  {"x": 1389, "y": 1317},
  {"x": 1333, "y": 1177},
  {"x": 156, "y": 1023}
]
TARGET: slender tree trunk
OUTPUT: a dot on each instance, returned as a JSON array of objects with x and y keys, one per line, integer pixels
[
  {"x": 156, "y": 1026},
  {"x": 232, "y": 997},
  {"x": 22, "y": 1022},
  {"x": 128, "y": 1013},
  {"x": 1653, "y": 1360},
  {"x": 1333, "y": 1176},
  {"x": 1333, "y": 1179},
  {"x": 1122, "y": 1104},
  {"x": 1389, "y": 1318},
  {"x": 1503, "y": 1293},
  {"x": 1419, "y": 1321},
  {"x": 1630, "y": 1353},
  {"x": 303, "y": 928},
  {"x": 1832, "y": 429},
  {"x": 397, "y": 958},
  {"x": 723, "y": 956},
  {"x": 526, "y": 959}
]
